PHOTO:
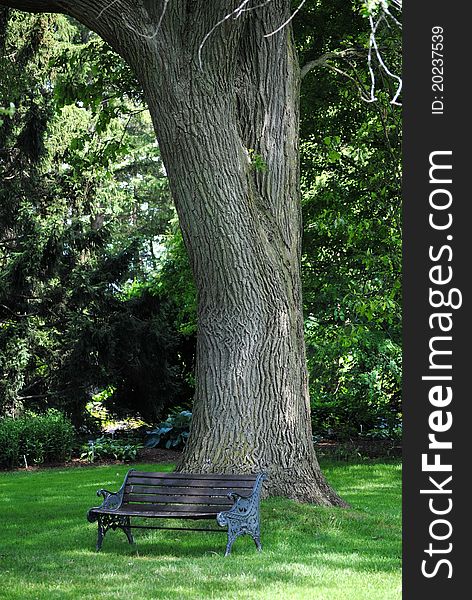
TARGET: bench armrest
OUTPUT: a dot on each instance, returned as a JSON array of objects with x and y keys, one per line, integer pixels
[
  {"x": 244, "y": 507},
  {"x": 111, "y": 500},
  {"x": 234, "y": 496},
  {"x": 105, "y": 493}
]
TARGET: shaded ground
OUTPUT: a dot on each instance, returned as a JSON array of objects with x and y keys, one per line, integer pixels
[
  {"x": 158, "y": 455},
  {"x": 351, "y": 450},
  {"x": 359, "y": 448},
  {"x": 150, "y": 455}
]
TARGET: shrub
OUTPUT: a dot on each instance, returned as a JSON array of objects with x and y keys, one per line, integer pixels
[
  {"x": 38, "y": 438},
  {"x": 171, "y": 433},
  {"x": 355, "y": 382},
  {"x": 10, "y": 432},
  {"x": 104, "y": 447}
]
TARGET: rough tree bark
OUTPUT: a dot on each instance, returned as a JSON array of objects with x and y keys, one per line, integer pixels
[{"x": 228, "y": 134}]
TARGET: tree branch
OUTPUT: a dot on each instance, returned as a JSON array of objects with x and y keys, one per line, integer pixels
[
  {"x": 35, "y": 6},
  {"x": 323, "y": 59},
  {"x": 114, "y": 20}
]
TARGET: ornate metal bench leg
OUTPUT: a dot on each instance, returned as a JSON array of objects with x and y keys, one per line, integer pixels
[
  {"x": 232, "y": 535},
  {"x": 101, "y": 533},
  {"x": 106, "y": 522},
  {"x": 257, "y": 541},
  {"x": 126, "y": 528}
]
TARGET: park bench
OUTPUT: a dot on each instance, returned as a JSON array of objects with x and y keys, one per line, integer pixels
[{"x": 231, "y": 499}]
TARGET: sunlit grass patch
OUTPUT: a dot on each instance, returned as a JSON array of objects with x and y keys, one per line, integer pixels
[{"x": 309, "y": 552}]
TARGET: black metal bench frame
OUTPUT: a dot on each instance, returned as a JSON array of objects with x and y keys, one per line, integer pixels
[{"x": 230, "y": 498}]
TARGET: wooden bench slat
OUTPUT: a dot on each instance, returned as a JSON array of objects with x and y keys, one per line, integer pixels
[
  {"x": 249, "y": 481},
  {"x": 181, "y": 491},
  {"x": 177, "y": 491},
  {"x": 189, "y": 483},
  {"x": 174, "y": 508},
  {"x": 166, "y": 509},
  {"x": 249, "y": 477},
  {"x": 172, "y": 515},
  {"x": 175, "y": 499},
  {"x": 129, "y": 512}
]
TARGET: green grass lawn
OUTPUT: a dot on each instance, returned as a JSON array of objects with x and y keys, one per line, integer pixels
[{"x": 47, "y": 546}]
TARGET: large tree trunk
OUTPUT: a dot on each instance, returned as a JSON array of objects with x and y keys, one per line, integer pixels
[{"x": 228, "y": 133}]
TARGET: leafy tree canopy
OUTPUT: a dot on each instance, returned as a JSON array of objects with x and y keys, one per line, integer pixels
[{"x": 95, "y": 285}]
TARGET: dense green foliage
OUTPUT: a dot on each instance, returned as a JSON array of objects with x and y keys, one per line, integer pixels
[
  {"x": 95, "y": 286},
  {"x": 83, "y": 210},
  {"x": 351, "y": 160},
  {"x": 105, "y": 448},
  {"x": 171, "y": 433},
  {"x": 35, "y": 439},
  {"x": 309, "y": 552}
]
